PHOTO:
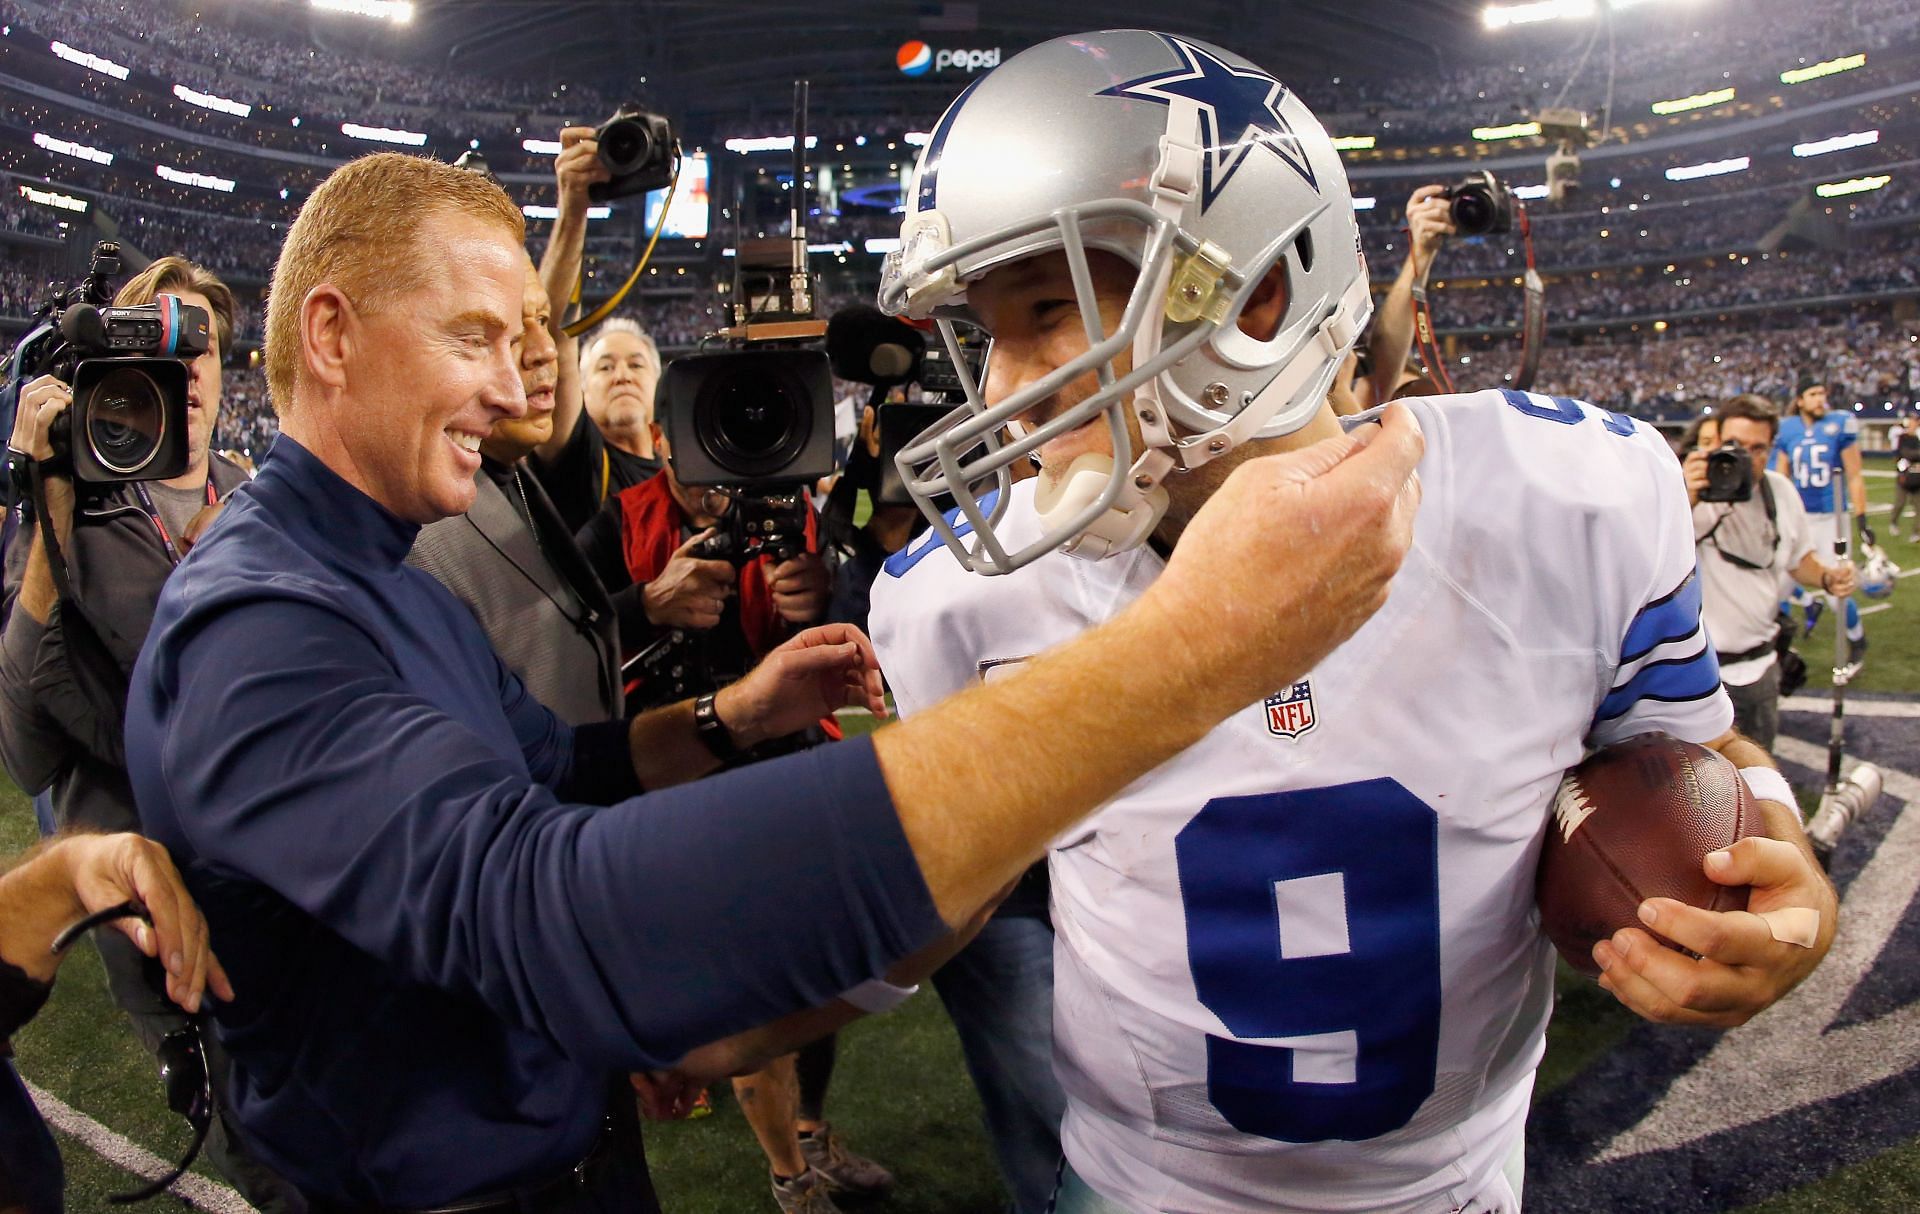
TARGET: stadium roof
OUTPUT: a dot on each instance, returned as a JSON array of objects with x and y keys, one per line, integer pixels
[{"x": 734, "y": 56}]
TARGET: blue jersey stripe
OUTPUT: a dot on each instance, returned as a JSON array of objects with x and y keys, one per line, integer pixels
[
  {"x": 1672, "y": 617},
  {"x": 1689, "y": 678}
]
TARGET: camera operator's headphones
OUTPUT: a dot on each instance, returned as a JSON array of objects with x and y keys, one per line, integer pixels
[{"x": 183, "y": 1062}]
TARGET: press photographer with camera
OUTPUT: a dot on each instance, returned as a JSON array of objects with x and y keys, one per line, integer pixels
[
  {"x": 64, "y": 661},
  {"x": 602, "y": 437},
  {"x": 1751, "y": 533},
  {"x": 1430, "y": 222}
]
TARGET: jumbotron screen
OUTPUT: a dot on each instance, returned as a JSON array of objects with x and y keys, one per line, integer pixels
[{"x": 687, "y": 217}]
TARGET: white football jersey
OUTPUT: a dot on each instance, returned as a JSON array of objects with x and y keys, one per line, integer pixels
[{"x": 1299, "y": 965}]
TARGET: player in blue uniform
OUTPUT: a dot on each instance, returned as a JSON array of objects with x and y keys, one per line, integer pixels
[{"x": 1812, "y": 447}]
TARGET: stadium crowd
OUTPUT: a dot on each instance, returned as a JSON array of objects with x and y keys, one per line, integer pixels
[{"x": 585, "y": 560}]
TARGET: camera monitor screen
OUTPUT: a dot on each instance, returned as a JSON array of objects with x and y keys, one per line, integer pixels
[{"x": 688, "y": 215}]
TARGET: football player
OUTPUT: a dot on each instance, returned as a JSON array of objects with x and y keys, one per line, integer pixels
[
  {"x": 1813, "y": 447},
  {"x": 1299, "y": 965}
]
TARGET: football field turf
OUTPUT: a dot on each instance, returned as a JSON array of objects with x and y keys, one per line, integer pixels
[{"x": 1814, "y": 1107}]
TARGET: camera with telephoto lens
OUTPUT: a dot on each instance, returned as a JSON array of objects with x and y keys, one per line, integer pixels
[
  {"x": 128, "y": 371},
  {"x": 1480, "y": 204},
  {"x": 1729, "y": 474},
  {"x": 640, "y": 150}
]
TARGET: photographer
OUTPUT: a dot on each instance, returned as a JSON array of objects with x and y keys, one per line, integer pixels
[
  {"x": 1429, "y": 224},
  {"x": 1750, "y": 533},
  {"x": 1906, "y": 476},
  {"x": 602, "y": 438},
  {"x": 64, "y": 666}
]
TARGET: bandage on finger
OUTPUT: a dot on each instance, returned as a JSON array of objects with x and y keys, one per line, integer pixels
[{"x": 1793, "y": 925}]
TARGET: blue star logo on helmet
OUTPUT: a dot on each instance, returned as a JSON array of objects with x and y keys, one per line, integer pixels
[{"x": 1239, "y": 111}]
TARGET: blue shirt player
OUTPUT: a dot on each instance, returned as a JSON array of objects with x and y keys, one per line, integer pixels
[{"x": 1813, "y": 447}]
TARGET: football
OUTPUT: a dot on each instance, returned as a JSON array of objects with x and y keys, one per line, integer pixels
[{"x": 1634, "y": 821}]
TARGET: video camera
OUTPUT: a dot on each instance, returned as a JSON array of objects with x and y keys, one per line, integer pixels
[
  {"x": 128, "y": 371},
  {"x": 867, "y": 346},
  {"x": 1480, "y": 204},
  {"x": 1729, "y": 474}
]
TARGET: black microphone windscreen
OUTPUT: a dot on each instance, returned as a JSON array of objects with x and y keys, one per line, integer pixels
[{"x": 868, "y": 346}]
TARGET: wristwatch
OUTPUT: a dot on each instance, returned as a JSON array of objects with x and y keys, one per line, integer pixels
[{"x": 711, "y": 730}]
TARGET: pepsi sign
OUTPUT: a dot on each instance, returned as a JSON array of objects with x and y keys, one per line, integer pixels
[{"x": 916, "y": 58}]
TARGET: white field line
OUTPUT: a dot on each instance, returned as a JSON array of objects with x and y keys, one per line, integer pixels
[
  {"x": 1855, "y": 708},
  {"x": 123, "y": 1152}
]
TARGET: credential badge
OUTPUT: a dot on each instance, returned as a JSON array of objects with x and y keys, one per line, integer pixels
[{"x": 1290, "y": 712}]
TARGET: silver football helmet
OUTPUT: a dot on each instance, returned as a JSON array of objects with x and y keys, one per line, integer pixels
[{"x": 1201, "y": 170}]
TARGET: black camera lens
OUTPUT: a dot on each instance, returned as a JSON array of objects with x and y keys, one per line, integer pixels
[
  {"x": 625, "y": 145},
  {"x": 753, "y": 424},
  {"x": 1474, "y": 212},
  {"x": 125, "y": 419}
]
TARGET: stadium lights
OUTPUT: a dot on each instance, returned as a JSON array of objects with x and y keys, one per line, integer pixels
[
  {"x": 844, "y": 246},
  {"x": 1826, "y": 67},
  {"x": 66, "y": 147},
  {"x": 1513, "y": 130},
  {"x": 534, "y": 210},
  {"x": 92, "y": 63},
  {"x": 210, "y": 101},
  {"x": 384, "y": 134},
  {"x": 1530, "y": 192},
  {"x": 1712, "y": 168},
  {"x": 198, "y": 180},
  {"x": 541, "y": 147},
  {"x": 1364, "y": 203},
  {"x": 882, "y": 244},
  {"x": 1699, "y": 101},
  {"x": 771, "y": 143},
  {"x": 51, "y": 198},
  {"x": 1853, "y": 185},
  {"x": 1354, "y": 143},
  {"x": 917, "y": 138},
  {"x": 1839, "y": 143},
  {"x": 400, "y": 12},
  {"x": 1499, "y": 16}
]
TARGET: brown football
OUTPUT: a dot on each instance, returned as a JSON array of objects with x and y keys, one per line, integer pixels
[{"x": 1634, "y": 821}]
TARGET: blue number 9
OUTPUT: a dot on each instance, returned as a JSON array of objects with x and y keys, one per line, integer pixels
[{"x": 1313, "y": 928}]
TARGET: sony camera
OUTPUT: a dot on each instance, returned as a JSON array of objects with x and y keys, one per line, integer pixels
[
  {"x": 1480, "y": 204},
  {"x": 639, "y": 149},
  {"x": 1729, "y": 474},
  {"x": 128, "y": 371}
]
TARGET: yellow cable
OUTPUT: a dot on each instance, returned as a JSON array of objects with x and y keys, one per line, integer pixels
[{"x": 600, "y": 313}]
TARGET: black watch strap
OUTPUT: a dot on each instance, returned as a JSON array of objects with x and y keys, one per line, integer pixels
[{"x": 711, "y": 730}]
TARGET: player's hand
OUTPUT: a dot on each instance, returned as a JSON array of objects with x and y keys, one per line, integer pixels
[
  {"x": 1694, "y": 469},
  {"x": 1742, "y": 968},
  {"x": 1429, "y": 223},
  {"x": 691, "y": 591},
  {"x": 800, "y": 588},
  {"x": 107, "y": 870},
  {"x": 41, "y": 401},
  {"x": 825, "y": 668},
  {"x": 1288, "y": 558},
  {"x": 1839, "y": 580},
  {"x": 577, "y": 167}
]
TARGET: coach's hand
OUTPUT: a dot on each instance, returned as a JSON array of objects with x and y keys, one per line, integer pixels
[
  {"x": 832, "y": 666},
  {"x": 1289, "y": 557},
  {"x": 1747, "y": 959},
  {"x": 107, "y": 870},
  {"x": 690, "y": 592}
]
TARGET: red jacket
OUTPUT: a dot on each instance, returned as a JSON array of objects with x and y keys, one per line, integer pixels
[{"x": 651, "y": 523}]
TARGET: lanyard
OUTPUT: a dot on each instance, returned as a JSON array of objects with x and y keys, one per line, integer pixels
[{"x": 153, "y": 514}]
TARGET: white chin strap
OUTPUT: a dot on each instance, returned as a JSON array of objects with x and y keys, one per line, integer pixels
[{"x": 1126, "y": 524}]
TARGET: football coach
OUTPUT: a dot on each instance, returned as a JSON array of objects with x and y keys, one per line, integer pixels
[{"x": 449, "y": 918}]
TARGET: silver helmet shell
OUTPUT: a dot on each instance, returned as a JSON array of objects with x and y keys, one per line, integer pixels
[{"x": 1200, "y": 170}]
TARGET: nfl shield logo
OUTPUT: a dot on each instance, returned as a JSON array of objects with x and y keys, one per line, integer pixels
[{"x": 1290, "y": 712}]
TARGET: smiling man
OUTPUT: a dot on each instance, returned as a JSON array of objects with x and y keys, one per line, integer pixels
[
  {"x": 512, "y": 559},
  {"x": 450, "y": 918}
]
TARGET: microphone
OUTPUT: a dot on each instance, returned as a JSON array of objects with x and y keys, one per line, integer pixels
[{"x": 868, "y": 346}]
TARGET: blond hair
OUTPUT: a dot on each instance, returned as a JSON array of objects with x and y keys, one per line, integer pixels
[
  {"x": 173, "y": 274},
  {"x": 359, "y": 231}
]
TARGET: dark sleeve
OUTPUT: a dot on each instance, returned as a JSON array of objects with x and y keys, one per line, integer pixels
[
  {"x": 619, "y": 933},
  {"x": 33, "y": 746},
  {"x": 21, "y": 999},
  {"x": 600, "y": 541},
  {"x": 573, "y": 479}
]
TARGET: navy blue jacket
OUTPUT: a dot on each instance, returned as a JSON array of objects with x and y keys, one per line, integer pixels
[{"x": 439, "y": 953}]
